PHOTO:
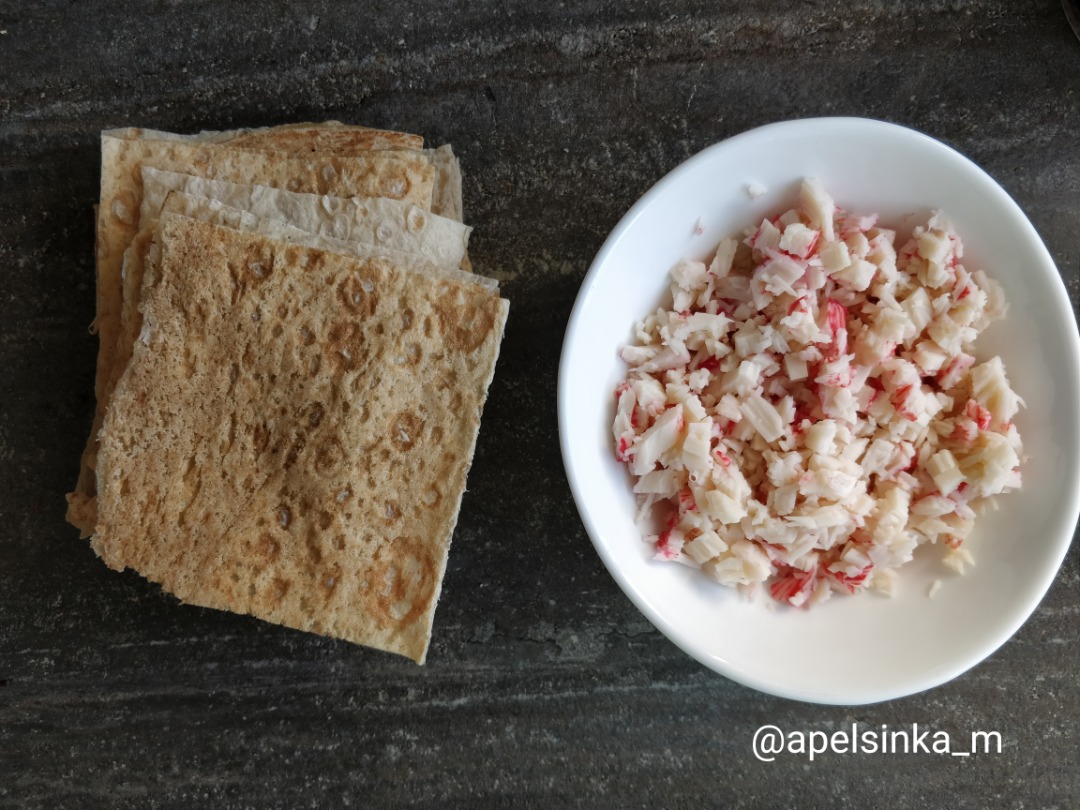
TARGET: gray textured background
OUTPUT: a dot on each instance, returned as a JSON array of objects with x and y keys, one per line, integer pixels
[{"x": 544, "y": 686}]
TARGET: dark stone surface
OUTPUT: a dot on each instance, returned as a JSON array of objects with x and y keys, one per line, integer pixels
[{"x": 544, "y": 686}]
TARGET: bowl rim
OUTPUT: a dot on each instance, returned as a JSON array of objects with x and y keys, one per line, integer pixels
[{"x": 1060, "y": 302}]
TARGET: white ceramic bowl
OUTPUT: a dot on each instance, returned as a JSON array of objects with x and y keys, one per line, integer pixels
[{"x": 850, "y": 650}]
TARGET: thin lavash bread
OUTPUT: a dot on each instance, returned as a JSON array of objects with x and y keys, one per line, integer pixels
[
  {"x": 378, "y": 221},
  {"x": 332, "y": 137},
  {"x": 298, "y": 139},
  {"x": 401, "y": 175},
  {"x": 327, "y": 498},
  {"x": 367, "y": 227},
  {"x": 140, "y": 254}
]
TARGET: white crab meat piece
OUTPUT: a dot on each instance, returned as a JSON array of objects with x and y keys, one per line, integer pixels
[
  {"x": 929, "y": 357},
  {"x": 819, "y": 207},
  {"x": 839, "y": 403},
  {"x": 720, "y": 266},
  {"x": 689, "y": 276},
  {"x": 745, "y": 377},
  {"x": 764, "y": 417},
  {"x": 779, "y": 274},
  {"x": 721, "y": 507},
  {"x": 705, "y": 547},
  {"x": 945, "y": 472},
  {"x": 700, "y": 325},
  {"x": 795, "y": 367},
  {"x": 819, "y": 438},
  {"x": 663, "y": 483},
  {"x": 992, "y": 391},
  {"x": 834, "y": 256},
  {"x": 766, "y": 239},
  {"x": 858, "y": 274},
  {"x": 743, "y": 564},
  {"x": 782, "y": 500},
  {"x": 658, "y": 439},
  {"x": 696, "y": 450},
  {"x": 752, "y": 339},
  {"x": 989, "y": 465},
  {"x": 799, "y": 240},
  {"x": 934, "y": 246}
]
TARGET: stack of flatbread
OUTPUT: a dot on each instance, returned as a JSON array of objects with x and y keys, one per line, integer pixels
[{"x": 294, "y": 355}]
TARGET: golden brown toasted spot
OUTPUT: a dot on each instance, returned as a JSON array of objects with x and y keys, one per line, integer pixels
[
  {"x": 328, "y": 457},
  {"x": 413, "y": 354},
  {"x": 307, "y": 261},
  {"x": 406, "y": 430},
  {"x": 358, "y": 294},
  {"x": 257, "y": 272},
  {"x": 313, "y": 545},
  {"x": 261, "y": 437},
  {"x": 391, "y": 512},
  {"x": 447, "y": 380},
  {"x": 466, "y": 317},
  {"x": 345, "y": 345},
  {"x": 400, "y": 587},
  {"x": 295, "y": 449},
  {"x": 395, "y": 187},
  {"x": 267, "y": 549},
  {"x": 415, "y": 220},
  {"x": 329, "y": 580},
  {"x": 279, "y": 589},
  {"x": 315, "y": 413}
]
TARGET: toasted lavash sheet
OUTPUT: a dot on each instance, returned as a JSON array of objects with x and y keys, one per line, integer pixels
[
  {"x": 333, "y": 137},
  {"x": 407, "y": 176},
  {"x": 298, "y": 140},
  {"x": 401, "y": 175},
  {"x": 386, "y": 223},
  {"x": 291, "y": 139},
  {"x": 404, "y": 175},
  {"x": 141, "y": 260},
  {"x": 312, "y": 354},
  {"x": 218, "y": 212}
]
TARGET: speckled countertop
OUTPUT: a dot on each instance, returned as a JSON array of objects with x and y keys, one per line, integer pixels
[{"x": 544, "y": 686}]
